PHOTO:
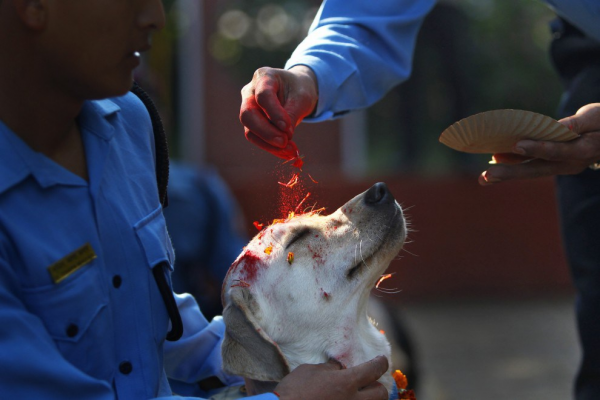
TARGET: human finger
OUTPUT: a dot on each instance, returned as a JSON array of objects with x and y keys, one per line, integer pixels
[
  {"x": 374, "y": 391},
  {"x": 587, "y": 119},
  {"x": 528, "y": 170},
  {"x": 256, "y": 121},
  {"x": 268, "y": 95},
  {"x": 509, "y": 158},
  {"x": 289, "y": 152},
  {"x": 581, "y": 148},
  {"x": 366, "y": 373},
  {"x": 333, "y": 365}
]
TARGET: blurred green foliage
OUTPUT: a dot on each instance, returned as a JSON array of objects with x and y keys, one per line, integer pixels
[
  {"x": 251, "y": 34},
  {"x": 471, "y": 56}
]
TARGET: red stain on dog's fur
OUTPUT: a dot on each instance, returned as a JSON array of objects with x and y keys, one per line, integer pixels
[
  {"x": 251, "y": 264},
  {"x": 316, "y": 255}
]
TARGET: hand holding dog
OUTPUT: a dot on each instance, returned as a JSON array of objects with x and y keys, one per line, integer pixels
[
  {"x": 551, "y": 158},
  {"x": 274, "y": 103},
  {"x": 331, "y": 381}
]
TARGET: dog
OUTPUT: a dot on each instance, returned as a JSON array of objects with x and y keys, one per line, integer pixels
[{"x": 298, "y": 293}]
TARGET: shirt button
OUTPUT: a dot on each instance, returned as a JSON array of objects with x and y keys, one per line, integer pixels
[
  {"x": 125, "y": 367},
  {"x": 117, "y": 281},
  {"x": 72, "y": 330}
]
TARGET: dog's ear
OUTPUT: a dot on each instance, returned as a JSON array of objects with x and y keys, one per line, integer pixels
[{"x": 247, "y": 350}]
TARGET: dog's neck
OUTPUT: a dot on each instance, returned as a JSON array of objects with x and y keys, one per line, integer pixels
[{"x": 352, "y": 341}]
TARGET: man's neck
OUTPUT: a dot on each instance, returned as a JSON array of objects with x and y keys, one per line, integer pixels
[
  {"x": 33, "y": 104},
  {"x": 42, "y": 117}
]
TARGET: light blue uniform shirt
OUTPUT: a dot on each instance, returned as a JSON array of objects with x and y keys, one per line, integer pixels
[
  {"x": 361, "y": 49},
  {"x": 67, "y": 340}
]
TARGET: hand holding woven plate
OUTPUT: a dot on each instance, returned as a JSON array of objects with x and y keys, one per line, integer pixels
[
  {"x": 552, "y": 158},
  {"x": 527, "y": 145}
]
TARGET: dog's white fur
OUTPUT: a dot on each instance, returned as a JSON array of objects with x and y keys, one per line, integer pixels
[{"x": 280, "y": 315}]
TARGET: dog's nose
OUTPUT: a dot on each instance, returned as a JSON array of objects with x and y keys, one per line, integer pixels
[{"x": 378, "y": 194}]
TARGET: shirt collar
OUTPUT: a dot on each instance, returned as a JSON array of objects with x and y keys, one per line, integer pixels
[{"x": 18, "y": 160}]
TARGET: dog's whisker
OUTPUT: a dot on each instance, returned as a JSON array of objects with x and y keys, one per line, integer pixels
[
  {"x": 276, "y": 241},
  {"x": 390, "y": 291},
  {"x": 361, "y": 255},
  {"x": 412, "y": 254},
  {"x": 370, "y": 239},
  {"x": 382, "y": 289}
]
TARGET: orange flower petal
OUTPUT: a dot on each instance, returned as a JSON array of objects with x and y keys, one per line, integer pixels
[
  {"x": 400, "y": 379},
  {"x": 258, "y": 225},
  {"x": 383, "y": 278}
]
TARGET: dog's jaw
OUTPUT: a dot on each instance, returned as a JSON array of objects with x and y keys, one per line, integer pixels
[{"x": 350, "y": 339}]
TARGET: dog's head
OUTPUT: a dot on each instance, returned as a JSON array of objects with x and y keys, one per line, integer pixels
[{"x": 298, "y": 292}]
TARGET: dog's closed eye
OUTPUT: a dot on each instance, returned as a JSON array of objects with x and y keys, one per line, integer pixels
[
  {"x": 354, "y": 270},
  {"x": 298, "y": 235}
]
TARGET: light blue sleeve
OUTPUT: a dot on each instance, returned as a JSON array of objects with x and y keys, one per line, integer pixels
[
  {"x": 359, "y": 50},
  {"x": 197, "y": 355},
  {"x": 584, "y": 14},
  {"x": 31, "y": 365}
]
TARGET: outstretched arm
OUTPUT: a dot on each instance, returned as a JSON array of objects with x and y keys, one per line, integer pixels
[{"x": 355, "y": 52}]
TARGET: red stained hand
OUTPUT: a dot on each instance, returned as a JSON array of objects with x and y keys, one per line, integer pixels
[
  {"x": 274, "y": 103},
  {"x": 551, "y": 158}
]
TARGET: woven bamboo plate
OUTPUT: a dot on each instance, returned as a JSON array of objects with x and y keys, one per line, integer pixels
[{"x": 497, "y": 131}]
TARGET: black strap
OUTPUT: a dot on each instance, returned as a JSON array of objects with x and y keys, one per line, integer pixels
[
  {"x": 160, "y": 276},
  {"x": 162, "y": 179},
  {"x": 160, "y": 143}
]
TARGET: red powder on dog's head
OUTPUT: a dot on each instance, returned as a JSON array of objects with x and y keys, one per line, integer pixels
[
  {"x": 289, "y": 195},
  {"x": 251, "y": 263},
  {"x": 292, "y": 194}
]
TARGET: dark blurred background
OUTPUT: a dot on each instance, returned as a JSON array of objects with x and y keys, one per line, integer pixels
[{"x": 480, "y": 255}]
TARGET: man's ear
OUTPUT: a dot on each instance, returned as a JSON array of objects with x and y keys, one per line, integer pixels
[
  {"x": 33, "y": 13},
  {"x": 246, "y": 349}
]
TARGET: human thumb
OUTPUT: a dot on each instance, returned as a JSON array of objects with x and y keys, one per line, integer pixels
[{"x": 586, "y": 119}]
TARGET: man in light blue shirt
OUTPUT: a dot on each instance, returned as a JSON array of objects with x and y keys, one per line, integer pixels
[
  {"x": 355, "y": 52},
  {"x": 85, "y": 306},
  {"x": 358, "y": 50}
]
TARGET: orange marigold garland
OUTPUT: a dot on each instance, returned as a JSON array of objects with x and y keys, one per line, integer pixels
[
  {"x": 402, "y": 383},
  {"x": 400, "y": 379}
]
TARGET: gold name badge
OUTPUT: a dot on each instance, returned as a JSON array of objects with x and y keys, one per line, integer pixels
[{"x": 71, "y": 263}]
